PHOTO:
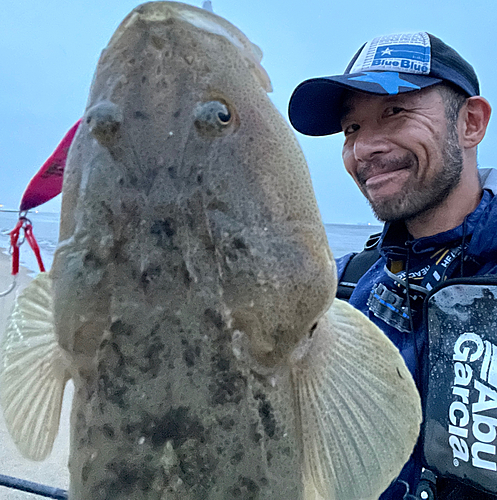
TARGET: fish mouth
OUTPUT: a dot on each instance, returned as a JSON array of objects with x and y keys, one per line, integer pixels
[
  {"x": 204, "y": 20},
  {"x": 163, "y": 12}
]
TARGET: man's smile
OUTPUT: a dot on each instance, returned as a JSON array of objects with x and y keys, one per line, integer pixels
[{"x": 377, "y": 180}]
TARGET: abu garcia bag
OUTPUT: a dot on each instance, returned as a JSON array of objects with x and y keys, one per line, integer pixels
[{"x": 459, "y": 430}]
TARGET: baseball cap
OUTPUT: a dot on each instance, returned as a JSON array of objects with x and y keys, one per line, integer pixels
[{"x": 389, "y": 64}]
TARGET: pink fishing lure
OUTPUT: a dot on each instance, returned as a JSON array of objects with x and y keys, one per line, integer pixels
[{"x": 47, "y": 183}]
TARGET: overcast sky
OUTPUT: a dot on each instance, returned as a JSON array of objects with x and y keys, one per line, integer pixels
[{"x": 49, "y": 51}]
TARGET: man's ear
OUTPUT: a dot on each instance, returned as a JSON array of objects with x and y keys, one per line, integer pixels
[{"x": 473, "y": 120}]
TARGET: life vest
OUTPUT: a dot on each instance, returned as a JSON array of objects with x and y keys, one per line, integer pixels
[{"x": 357, "y": 266}]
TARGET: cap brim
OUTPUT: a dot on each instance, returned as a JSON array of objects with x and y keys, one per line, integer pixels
[{"x": 315, "y": 105}]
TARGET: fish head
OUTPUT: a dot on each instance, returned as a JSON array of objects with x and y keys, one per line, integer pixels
[{"x": 180, "y": 126}]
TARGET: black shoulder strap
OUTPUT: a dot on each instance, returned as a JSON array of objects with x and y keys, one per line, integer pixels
[{"x": 357, "y": 266}]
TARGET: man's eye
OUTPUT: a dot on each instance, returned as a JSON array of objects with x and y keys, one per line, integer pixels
[
  {"x": 395, "y": 110},
  {"x": 349, "y": 129}
]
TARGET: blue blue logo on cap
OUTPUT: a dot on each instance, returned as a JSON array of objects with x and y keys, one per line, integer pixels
[
  {"x": 390, "y": 81},
  {"x": 404, "y": 51}
]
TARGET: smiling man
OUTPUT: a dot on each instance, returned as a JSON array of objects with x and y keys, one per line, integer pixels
[{"x": 412, "y": 117}]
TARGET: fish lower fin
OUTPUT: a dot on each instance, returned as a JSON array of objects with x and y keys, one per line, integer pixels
[
  {"x": 359, "y": 408},
  {"x": 32, "y": 371}
]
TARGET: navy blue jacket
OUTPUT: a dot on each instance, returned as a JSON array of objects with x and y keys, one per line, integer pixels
[{"x": 479, "y": 231}]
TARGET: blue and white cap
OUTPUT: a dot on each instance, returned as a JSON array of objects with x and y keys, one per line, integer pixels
[{"x": 389, "y": 64}]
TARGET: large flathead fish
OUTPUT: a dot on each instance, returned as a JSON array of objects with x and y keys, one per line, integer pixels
[{"x": 191, "y": 295}]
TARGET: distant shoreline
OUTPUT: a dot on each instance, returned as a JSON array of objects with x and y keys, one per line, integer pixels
[{"x": 372, "y": 224}]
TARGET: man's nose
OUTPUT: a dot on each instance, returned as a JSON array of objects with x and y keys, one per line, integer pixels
[{"x": 369, "y": 143}]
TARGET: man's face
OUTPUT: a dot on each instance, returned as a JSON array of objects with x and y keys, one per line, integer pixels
[{"x": 401, "y": 151}]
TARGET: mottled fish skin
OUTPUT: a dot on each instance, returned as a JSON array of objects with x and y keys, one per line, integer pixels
[{"x": 188, "y": 214}]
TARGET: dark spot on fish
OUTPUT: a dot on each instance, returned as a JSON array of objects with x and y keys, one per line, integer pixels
[
  {"x": 144, "y": 79},
  {"x": 157, "y": 42},
  {"x": 269, "y": 457},
  {"x": 149, "y": 275},
  {"x": 214, "y": 317},
  {"x": 197, "y": 469},
  {"x": 172, "y": 172},
  {"x": 176, "y": 425},
  {"x": 227, "y": 387},
  {"x": 127, "y": 475},
  {"x": 108, "y": 431},
  {"x": 237, "y": 457},
  {"x": 132, "y": 61},
  {"x": 222, "y": 364},
  {"x": 192, "y": 221},
  {"x": 245, "y": 489},
  {"x": 111, "y": 369},
  {"x": 163, "y": 230},
  {"x": 287, "y": 451},
  {"x": 141, "y": 115},
  {"x": 254, "y": 434},
  {"x": 113, "y": 392},
  {"x": 266, "y": 414},
  {"x": 216, "y": 204},
  {"x": 239, "y": 244},
  {"x": 120, "y": 328},
  {"x": 91, "y": 260},
  {"x": 177, "y": 113},
  {"x": 190, "y": 353},
  {"x": 226, "y": 423},
  {"x": 80, "y": 420},
  {"x": 251, "y": 139},
  {"x": 185, "y": 274},
  {"x": 153, "y": 357},
  {"x": 118, "y": 252},
  {"x": 189, "y": 356},
  {"x": 200, "y": 178},
  {"x": 128, "y": 480},
  {"x": 131, "y": 428},
  {"x": 85, "y": 471}
]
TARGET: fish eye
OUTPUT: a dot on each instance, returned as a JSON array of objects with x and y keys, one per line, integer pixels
[
  {"x": 213, "y": 118},
  {"x": 224, "y": 117}
]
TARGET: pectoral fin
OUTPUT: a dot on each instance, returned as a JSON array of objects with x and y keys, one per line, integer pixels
[
  {"x": 32, "y": 371},
  {"x": 359, "y": 408}
]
